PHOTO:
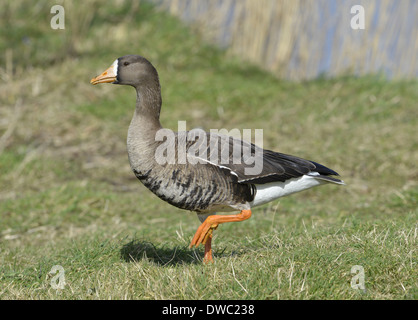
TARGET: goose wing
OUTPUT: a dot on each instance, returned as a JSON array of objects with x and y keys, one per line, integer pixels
[{"x": 250, "y": 163}]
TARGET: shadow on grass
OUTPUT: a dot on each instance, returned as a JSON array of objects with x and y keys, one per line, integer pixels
[{"x": 138, "y": 250}]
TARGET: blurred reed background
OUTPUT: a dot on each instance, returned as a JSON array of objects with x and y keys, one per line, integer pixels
[{"x": 304, "y": 39}]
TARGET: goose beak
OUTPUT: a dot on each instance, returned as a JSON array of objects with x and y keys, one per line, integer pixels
[{"x": 107, "y": 76}]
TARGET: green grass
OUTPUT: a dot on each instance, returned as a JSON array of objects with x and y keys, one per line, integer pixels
[{"x": 67, "y": 196}]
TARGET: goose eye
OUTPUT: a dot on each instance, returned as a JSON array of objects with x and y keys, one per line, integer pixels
[{"x": 126, "y": 63}]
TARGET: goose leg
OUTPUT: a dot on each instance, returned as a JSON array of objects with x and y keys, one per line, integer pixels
[
  {"x": 205, "y": 230},
  {"x": 208, "y": 251}
]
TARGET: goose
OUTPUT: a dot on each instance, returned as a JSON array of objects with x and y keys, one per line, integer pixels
[{"x": 207, "y": 173}]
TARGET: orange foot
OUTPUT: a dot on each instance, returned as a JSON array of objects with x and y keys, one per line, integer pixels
[
  {"x": 208, "y": 251},
  {"x": 205, "y": 230}
]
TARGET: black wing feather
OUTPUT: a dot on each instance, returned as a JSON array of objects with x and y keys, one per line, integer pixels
[{"x": 276, "y": 166}]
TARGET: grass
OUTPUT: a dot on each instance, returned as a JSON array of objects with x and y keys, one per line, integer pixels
[{"x": 67, "y": 196}]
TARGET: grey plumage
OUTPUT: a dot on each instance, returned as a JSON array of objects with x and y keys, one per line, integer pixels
[
  {"x": 203, "y": 172},
  {"x": 216, "y": 172},
  {"x": 216, "y": 182}
]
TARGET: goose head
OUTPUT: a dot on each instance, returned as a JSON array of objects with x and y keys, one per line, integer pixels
[{"x": 132, "y": 70}]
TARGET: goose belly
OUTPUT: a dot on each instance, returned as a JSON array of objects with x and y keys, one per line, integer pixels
[
  {"x": 273, "y": 190},
  {"x": 187, "y": 192}
]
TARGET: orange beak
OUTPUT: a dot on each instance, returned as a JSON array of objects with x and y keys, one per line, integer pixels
[{"x": 107, "y": 76}]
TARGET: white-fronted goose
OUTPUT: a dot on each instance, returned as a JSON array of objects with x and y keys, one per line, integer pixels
[{"x": 210, "y": 184}]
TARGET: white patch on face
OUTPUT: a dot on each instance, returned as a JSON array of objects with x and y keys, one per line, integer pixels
[{"x": 115, "y": 67}]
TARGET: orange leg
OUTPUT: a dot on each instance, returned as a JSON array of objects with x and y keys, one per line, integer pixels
[
  {"x": 204, "y": 232},
  {"x": 208, "y": 251}
]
